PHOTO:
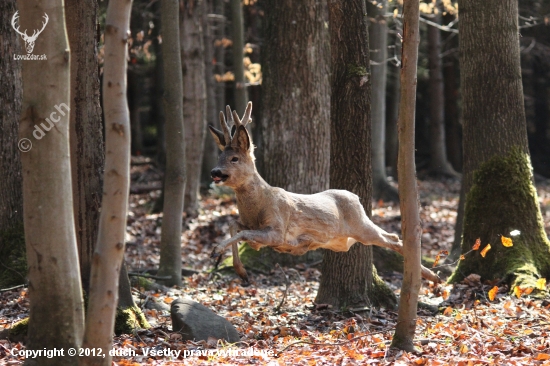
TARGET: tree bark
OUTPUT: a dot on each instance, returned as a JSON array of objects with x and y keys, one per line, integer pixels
[
  {"x": 296, "y": 96},
  {"x": 438, "y": 150},
  {"x": 194, "y": 97},
  {"x": 109, "y": 250},
  {"x": 378, "y": 36},
  {"x": 175, "y": 175},
  {"x": 241, "y": 95},
  {"x": 408, "y": 192},
  {"x": 348, "y": 278},
  {"x": 498, "y": 179},
  {"x": 134, "y": 98},
  {"x": 86, "y": 129},
  {"x": 392, "y": 145},
  {"x": 56, "y": 306},
  {"x": 11, "y": 198}
]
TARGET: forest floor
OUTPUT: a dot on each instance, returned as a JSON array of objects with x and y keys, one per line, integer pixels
[{"x": 277, "y": 318}]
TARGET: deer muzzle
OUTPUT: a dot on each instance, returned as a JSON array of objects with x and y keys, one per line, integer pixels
[{"x": 218, "y": 176}]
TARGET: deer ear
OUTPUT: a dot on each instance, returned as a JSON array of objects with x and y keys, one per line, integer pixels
[
  {"x": 218, "y": 137},
  {"x": 242, "y": 138}
]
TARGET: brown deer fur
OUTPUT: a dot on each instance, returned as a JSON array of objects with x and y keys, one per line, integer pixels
[{"x": 288, "y": 222}]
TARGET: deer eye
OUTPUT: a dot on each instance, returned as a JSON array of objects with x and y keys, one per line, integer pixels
[{"x": 234, "y": 159}]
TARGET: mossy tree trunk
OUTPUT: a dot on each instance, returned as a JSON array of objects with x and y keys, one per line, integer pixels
[
  {"x": 408, "y": 192},
  {"x": 86, "y": 129},
  {"x": 12, "y": 244},
  {"x": 378, "y": 37},
  {"x": 175, "y": 177},
  {"x": 56, "y": 305},
  {"x": 348, "y": 278},
  {"x": 498, "y": 179}
]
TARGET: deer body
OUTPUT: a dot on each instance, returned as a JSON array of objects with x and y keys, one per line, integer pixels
[{"x": 288, "y": 222}]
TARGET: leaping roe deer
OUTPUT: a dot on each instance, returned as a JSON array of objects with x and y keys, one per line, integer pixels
[{"x": 287, "y": 222}]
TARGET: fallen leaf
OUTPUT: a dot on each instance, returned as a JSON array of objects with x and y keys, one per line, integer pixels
[
  {"x": 542, "y": 356},
  {"x": 485, "y": 250},
  {"x": 541, "y": 284},
  {"x": 492, "y": 293},
  {"x": 462, "y": 257},
  {"x": 477, "y": 244},
  {"x": 507, "y": 242},
  {"x": 448, "y": 311}
]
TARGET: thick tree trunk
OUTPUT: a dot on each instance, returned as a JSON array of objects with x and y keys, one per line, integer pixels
[
  {"x": 175, "y": 176},
  {"x": 392, "y": 145},
  {"x": 348, "y": 278},
  {"x": 296, "y": 96},
  {"x": 498, "y": 180},
  {"x": 378, "y": 34},
  {"x": 56, "y": 306},
  {"x": 109, "y": 250},
  {"x": 12, "y": 251},
  {"x": 453, "y": 129},
  {"x": 194, "y": 97},
  {"x": 408, "y": 192},
  {"x": 241, "y": 95},
  {"x": 134, "y": 99},
  {"x": 86, "y": 129},
  {"x": 438, "y": 150}
]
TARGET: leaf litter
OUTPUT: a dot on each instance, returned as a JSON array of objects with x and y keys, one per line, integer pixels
[{"x": 476, "y": 323}]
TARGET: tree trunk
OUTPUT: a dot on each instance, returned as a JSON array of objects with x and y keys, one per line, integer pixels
[
  {"x": 86, "y": 129},
  {"x": 175, "y": 175},
  {"x": 56, "y": 306},
  {"x": 135, "y": 85},
  {"x": 498, "y": 180},
  {"x": 194, "y": 97},
  {"x": 210, "y": 154},
  {"x": 408, "y": 192},
  {"x": 378, "y": 34},
  {"x": 109, "y": 249},
  {"x": 237, "y": 25},
  {"x": 12, "y": 244},
  {"x": 348, "y": 278},
  {"x": 438, "y": 150},
  {"x": 296, "y": 96},
  {"x": 392, "y": 145}
]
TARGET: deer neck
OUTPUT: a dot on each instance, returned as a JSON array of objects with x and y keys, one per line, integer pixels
[{"x": 252, "y": 199}]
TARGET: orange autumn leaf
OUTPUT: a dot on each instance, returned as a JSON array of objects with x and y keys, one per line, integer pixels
[
  {"x": 437, "y": 257},
  {"x": 518, "y": 291},
  {"x": 542, "y": 357},
  {"x": 448, "y": 311},
  {"x": 168, "y": 300},
  {"x": 462, "y": 257},
  {"x": 528, "y": 290},
  {"x": 541, "y": 284},
  {"x": 485, "y": 250},
  {"x": 493, "y": 293},
  {"x": 507, "y": 242},
  {"x": 477, "y": 244}
]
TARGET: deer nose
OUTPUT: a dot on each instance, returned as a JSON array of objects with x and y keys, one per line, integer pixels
[{"x": 216, "y": 173}]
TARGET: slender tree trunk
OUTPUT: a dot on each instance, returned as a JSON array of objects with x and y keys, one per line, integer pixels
[
  {"x": 408, "y": 192},
  {"x": 194, "y": 97},
  {"x": 378, "y": 46},
  {"x": 56, "y": 306},
  {"x": 348, "y": 278},
  {"x": 109, "y": 250},
  {"x": 296, "y": 96},
  {"x": 175, "y": 176},
  {"x": 210, "y": 155},
  {"x": 86, "y": 129},
  {"x": 241, "y": 96},
  {"x": 438, "y": 159},
  {"x": 392, "y": 145},
  {"x": 498, "y": 179},
  {"x": 11, "y": 198},
  {"x": 134, "y": 98}
]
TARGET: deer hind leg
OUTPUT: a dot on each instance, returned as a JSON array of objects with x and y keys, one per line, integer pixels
[{"x": 370, "y": 234}]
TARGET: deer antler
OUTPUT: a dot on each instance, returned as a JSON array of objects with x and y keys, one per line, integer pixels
[
  {"x": 225, "y": 129},
  {"x": 16, "y": 27}
]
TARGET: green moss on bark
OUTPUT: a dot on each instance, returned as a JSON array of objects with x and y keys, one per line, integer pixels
[
  {"x": 502, "y": 199},
  {"x": 13, "y": 258},
  {"x": 129, "y": 319},
  {"x": 381, "y": 295}
]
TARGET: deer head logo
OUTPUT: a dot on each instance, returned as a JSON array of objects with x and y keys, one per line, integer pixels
[{"x": 29, "y": 40}]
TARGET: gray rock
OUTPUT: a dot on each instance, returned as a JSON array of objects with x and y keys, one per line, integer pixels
[{"x": 196, "y": 322}]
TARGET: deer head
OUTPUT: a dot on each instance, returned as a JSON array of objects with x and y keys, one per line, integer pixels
[
  {"x": 236, "y": 162},
  {"x": 29, "y": 40}
]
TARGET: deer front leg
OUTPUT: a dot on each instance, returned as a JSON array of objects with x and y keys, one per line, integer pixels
[
  {"x": 237, "y": 264},
  {"x": 259, "y": 238}
]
